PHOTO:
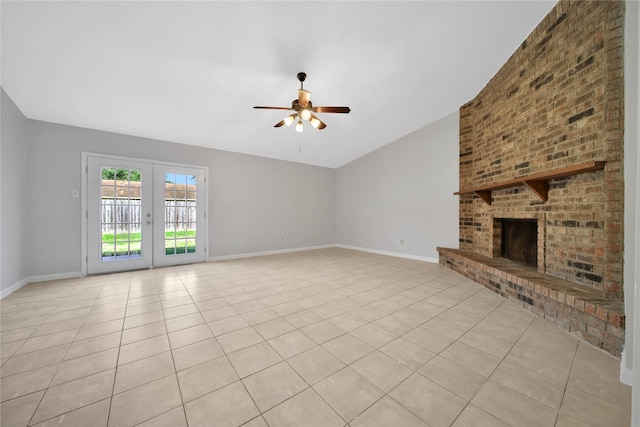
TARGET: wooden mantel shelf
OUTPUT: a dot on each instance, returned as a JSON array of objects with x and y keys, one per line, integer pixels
[{"x": 539, "y": 182}]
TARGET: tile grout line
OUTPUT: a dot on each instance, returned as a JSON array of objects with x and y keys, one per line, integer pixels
[
  {"x": 497, "y": 366},
  {"x": 226, "y": 356},
  {"x": 62, "y": 360},
  {"x": 438, "y": 354},
  {"x": 384, "y": 394},
  {"x": 173, "y": 360},
  {"x": 566, "y": 386},
  {"x": 115, "y": 373}
]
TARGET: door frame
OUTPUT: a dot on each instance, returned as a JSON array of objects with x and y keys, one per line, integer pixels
[{"x": 84, "y": 200}]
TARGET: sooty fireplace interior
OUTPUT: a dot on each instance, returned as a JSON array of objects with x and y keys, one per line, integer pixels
[{"x": 520, "y": 240}]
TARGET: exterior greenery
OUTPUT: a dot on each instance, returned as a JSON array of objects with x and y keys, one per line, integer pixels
[{"x": 176, "y": 242}]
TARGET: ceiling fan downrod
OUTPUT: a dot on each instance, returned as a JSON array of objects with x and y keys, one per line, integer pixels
[{"x": 302, "y": 77}]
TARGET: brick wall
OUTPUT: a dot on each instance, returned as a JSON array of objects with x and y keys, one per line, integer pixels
[{"x": 557, "y": 102}]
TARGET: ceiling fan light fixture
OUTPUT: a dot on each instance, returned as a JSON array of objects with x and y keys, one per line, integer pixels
[
  {"x": 304, "y": 110},
  {"x": 305, "y": 114},
  {"x": 289, "y": 119}
]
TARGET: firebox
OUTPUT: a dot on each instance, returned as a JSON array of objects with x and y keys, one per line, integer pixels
[{"x": 520, "y": 240}]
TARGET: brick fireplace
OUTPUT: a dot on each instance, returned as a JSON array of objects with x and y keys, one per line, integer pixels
[{"x": 541, "y": 145}]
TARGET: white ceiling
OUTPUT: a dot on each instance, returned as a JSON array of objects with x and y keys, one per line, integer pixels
[{"x": 190, "y": 72}]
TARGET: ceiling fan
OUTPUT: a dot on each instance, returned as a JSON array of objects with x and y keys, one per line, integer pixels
[{"x": 304, "y": 109}]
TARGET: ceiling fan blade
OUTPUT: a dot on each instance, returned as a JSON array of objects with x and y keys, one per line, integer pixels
[
  {"x": 273, "y": 108},
  {"x": 280, "y": 123},
  {"x": 331, "y": 109},
  {"x": 303, "y": 97},
  {"x": 320, "y": 124}
]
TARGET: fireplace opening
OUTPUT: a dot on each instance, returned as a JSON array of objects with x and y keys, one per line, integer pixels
[{"x": 520, "y": 240}]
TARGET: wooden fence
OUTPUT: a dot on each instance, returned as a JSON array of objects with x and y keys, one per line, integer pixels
[
  {"x": 125, "y": 215},
  {"x": 122, "y": 209}
]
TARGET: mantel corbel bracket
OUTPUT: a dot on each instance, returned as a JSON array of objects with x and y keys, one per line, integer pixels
[
  {"x": 541, "y": 188},
  {"x": 485, "y": 195}
]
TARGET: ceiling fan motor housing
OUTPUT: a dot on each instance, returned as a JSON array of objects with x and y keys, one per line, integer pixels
[{"x": 295, "y": 105}]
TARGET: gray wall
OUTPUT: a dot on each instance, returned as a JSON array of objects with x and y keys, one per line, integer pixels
[
  {"x": 13, "y": 188},
  {"x": 403, "y": 190},
  {"x": 254, "y": 202},
  {"x": 630, "y": 367}
]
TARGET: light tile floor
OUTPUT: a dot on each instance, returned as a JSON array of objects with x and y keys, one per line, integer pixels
[{"x": 321, "y": 338}]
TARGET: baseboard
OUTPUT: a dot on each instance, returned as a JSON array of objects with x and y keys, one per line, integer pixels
[
  {"x": 43, "y": 278},
  {"x": 11, "y": 289},
  {"x": 276, "y": 252},
  {"x": 626, "y": 374},
  {"x": 394, "y": 254},
  {"x": 57, "y": 276}
]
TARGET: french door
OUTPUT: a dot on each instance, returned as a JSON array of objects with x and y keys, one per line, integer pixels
[
  {"x": 142, "y": 214},
  {"x": 179, "y": 236}
]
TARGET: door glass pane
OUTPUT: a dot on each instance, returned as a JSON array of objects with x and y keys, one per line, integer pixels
[
  {"x": 180, "y": 213},
  {"x": 121, "y": 216}
]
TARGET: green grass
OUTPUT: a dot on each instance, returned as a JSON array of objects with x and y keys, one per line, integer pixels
[{"x": 130, "y": 244}]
